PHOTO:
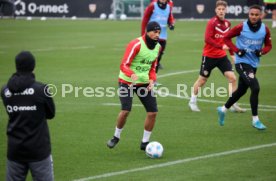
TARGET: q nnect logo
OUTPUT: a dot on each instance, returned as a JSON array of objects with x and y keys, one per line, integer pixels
[{"x": 22, "y": 8}]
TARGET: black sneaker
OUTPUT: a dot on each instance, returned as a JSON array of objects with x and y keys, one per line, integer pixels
[
  {"x": 113, "y": 142},
  {"x": 143, "y": 145}
]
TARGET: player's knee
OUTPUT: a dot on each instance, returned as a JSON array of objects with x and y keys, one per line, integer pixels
[
  {"x": 255, "y": 89},
  {"x": 152, "y": 114},
  {"x": 201, "y": 81},
  {"x": 232, "y": 79},
  {"x": 124, "y": 113}
]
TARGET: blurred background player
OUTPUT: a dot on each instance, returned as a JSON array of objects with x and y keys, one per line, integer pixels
[
  {"x": 270, "y": 5},
  {"x": 251, "y": 35},
  {"x": 214, "y": 55},
  {"x": 161, "y": 12},
  {"x": 28, "y": 105},
  {"x": 137, "y": 74}
]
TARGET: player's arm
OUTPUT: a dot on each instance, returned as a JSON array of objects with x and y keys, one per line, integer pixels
[
  {"x": 236, "y": 31},
  {"x": 267, "y": 42},
  {"x": 147, "y": 14},
  {"x": 132, "y": 50},
  {"x": 209, "y": 34},
  {"x": 50, "y": 109},
  {"x": 152, "y": 75},
  {"x": 171, "y": 20}
]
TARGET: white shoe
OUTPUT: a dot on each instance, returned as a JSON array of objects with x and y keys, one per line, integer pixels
[
  {"x": 237, "y": 108},
  {"x": 193, "y": 107}
]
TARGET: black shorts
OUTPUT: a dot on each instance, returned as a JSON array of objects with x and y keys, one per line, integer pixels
[
  {"x": 208, "y": 64},
  {"x": 247, "y": 73},
  {"x": 270, "y": 7},
  {"x": 147, "y": 98}
]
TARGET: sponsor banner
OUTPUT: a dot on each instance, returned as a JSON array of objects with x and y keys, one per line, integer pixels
[
  {"x": 202, "y": 9},
  {"x": 62, "y": 8},
  {"x": 132, "y": 8}
]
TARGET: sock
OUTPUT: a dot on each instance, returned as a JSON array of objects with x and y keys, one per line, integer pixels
[
  {"x": 193, "y": 98},
  {"x": 223, "y": 109},
  {"x": 255, "y": 119},
  {"x": 146, "y": 136},
  {"x": 118, "y": 132}
]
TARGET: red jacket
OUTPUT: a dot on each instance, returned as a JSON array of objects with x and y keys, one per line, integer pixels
[{"x": 214, "y": 37}]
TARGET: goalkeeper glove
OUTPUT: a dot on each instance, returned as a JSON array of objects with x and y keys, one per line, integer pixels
[
  {"x": 241, "y": 52},
  {"x": 258, "y": 53}
]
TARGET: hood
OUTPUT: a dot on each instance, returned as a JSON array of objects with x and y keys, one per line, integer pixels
[{"x": 20, "y": 81}]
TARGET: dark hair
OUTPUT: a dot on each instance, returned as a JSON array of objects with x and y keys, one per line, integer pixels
[{"x": 256, "y": 6}]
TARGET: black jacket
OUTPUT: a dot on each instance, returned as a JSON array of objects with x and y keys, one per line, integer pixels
[{"x": 28, "y": 108}]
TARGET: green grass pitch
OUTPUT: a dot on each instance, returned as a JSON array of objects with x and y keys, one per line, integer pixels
[{"x": 88, "y": 53}]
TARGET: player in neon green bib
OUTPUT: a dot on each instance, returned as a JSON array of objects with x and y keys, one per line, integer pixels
[{"x": 137, "y": 74}]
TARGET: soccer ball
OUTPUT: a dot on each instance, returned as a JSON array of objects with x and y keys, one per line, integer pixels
[
  {"x": 103, "y": 16},
  {"x": 111, "y": 16},
  {"x": 154, "y": 150},
  {"x": 123, "y": 17}
]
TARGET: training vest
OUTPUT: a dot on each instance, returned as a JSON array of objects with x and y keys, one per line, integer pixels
[
  {"x": 250, "y": 41},
  {"x": 142, "y": 63},
  {"x": 161, "y": 16}
]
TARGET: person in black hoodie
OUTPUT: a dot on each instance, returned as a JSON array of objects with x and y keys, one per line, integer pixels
[{"x": 28, "y": 104}]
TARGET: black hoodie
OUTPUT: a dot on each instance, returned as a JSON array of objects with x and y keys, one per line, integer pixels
[{"x": 28, "y": 108}]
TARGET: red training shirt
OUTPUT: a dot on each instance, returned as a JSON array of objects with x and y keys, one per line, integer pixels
[{"x": 214, "y": 37}]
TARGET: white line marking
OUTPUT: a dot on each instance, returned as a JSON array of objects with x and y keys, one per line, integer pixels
[
  {"x": 166, "y": 164},
  {"x": 210, "y": 101},
  {"x": 197, "y": 70},
  {"x": 62, "y": 48},
  {"x": 117, "y": 104},
  {"x": 204, "y": 100},
  {"x": 177, "y": 73}
]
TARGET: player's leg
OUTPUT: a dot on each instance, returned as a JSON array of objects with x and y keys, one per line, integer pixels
[
  {"x": 226, "y": 68},
  {"x": 274, "y": 16},
  {"x": 254, "y": 100},
  {"x": 241, "y": 90},
  {"x": 42, "y": 170},
  {"x": 163, "y": 47},
  {"x": 207, "y": 65},
  {"x": 16, "y": 171},
  {"x": 126, "y": 96},
  {"x": 148, "y": 99}
]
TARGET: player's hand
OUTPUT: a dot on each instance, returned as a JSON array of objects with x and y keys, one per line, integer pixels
[
  {"x": 171, "y": 27},
  {"x": 241, "y": 52},
  {"x": 225, "y": 47},
  {"x": 151, "y": 85},
  {"x": 134, "y": 77},
  {"x": 258, "y": 53}
]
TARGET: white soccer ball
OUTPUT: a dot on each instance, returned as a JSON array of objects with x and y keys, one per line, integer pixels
[
  {"x": 103, "y": 16},
  {"x": 154, "y": 149},
  {"x": 123, "y": 17},
  {"x": 111, "y": 16}
]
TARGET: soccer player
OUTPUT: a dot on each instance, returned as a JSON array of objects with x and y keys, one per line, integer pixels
[
  {"x": 251, "y": 35},
  {"x": 270, "y": 5},
  {"x": 161, "y": 12},
  {"x": 137, "y": 74},
  {"x": 28, "y": 105},
  {"x": 214, "y": 55}
]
